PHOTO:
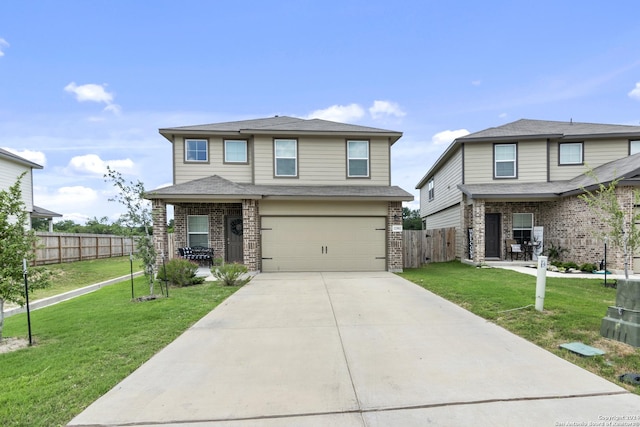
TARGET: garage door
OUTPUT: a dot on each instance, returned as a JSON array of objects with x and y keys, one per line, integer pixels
[{"x": 323, "y": 244}]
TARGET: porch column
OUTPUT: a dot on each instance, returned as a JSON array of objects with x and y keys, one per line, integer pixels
[
  {"x": 394, "y": 238},
  {"x": 251, "y": 234},
  {"x": 160, "y": 238},
  {"x": 478, "y": 231}
]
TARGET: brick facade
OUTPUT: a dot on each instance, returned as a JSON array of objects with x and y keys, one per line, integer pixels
[
  {"x": 568, "y": 223},
  {"x": 160, "y": 239},
  {"x": 251, "y": 235},
  {"x": 394, "y": 239}
]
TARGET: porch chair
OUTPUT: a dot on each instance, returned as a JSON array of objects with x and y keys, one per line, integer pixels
[{"x": 512, "y": 247}]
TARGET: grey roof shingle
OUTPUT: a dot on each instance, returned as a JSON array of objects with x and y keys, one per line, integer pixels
[
  {"x": 280, "y": 124},
  {"x": 216, "y": 187},
  {"x": 39, "y": 212},
  {"x": 627, "y": 168},
  {"x": 545, "y": 128}
]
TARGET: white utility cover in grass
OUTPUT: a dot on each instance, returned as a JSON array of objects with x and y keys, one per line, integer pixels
[{"x": 323, "y": 243}]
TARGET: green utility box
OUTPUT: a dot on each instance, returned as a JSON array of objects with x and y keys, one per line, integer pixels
[{"x": 622, "y": 322}]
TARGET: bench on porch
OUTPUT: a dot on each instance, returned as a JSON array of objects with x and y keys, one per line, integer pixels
[{"x": 199, "y": 254}]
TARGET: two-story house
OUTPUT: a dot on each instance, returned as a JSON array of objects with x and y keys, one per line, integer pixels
[
  {"x": 11, "y": 167},
  {"x": 284, "y": 194},
  {"x": 521, "y": 182}
]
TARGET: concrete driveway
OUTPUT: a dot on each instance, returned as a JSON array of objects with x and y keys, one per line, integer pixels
[{"x": 354, "y": 349}]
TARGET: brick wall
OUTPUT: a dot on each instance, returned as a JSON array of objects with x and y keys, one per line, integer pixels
[
  {"x": 216, "y": 213},
  {"x": 251, "y": 235},
  {"x": 394, "y": 239}
]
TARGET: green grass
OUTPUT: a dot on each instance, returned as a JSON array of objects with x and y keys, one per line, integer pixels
[
  {"x": 73, "y": 275},
  {"x": 85, "y": 346},
  {"x": 573, "y": 311}
]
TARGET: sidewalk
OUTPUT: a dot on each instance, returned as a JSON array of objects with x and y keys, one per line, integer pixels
[{"x": 44, "y": 302}]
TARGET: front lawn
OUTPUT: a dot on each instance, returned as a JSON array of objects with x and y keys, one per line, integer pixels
[
  {"x": 85, "y": 346},
  {"x": 573, "y": 311}
]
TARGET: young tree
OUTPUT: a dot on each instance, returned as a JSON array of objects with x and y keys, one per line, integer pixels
[
  {"x": 411, "y": 219},
  {"x": 138, "y": 216},
  {"x": 17, "y": 244},
  {"x": 620, "y": 224}
]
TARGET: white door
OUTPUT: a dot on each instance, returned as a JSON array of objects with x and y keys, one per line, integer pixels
[{"x": 323, "y": 244}]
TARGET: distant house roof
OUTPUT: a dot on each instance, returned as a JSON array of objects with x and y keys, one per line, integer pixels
[
  {"x": 17, "y": 159},
  {"x": 627, "y": 168},
  {"x": 280, "y": 126},
  {"x": 39, "y": 212},
  {"x": 525, "y": 129},
  {"x": 217, "y": 188}
]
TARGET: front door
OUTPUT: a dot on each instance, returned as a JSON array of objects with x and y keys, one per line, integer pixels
[
  {"x": 234, "y": 239},
  {"x": 492, "y": 235}
]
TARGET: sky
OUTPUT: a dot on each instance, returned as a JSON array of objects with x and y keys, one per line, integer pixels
[{"x": 86, "y": 84}]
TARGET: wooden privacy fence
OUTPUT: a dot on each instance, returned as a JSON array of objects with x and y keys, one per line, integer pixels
[
  {"x": 423, "y": 246},
  {"x": 55, "y": 248}
]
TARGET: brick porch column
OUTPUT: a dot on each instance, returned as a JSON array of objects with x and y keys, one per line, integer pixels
[
  {"x": 160, "y": 238},
  {"x": 394, "y": 238},
  {"x": 251, "y": 234},
  {"x": 478, "y": 231}
]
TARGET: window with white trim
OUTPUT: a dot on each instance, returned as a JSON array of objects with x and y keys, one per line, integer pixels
[
  {"x": 634, "y": 147},
  {"x": 430, "y": 189},
  {"x": 196, "y": 150},
  {"x": 504, "y": 156},
  {"x": 286, "y": 157},
  {"x": 198, "y": 230},
  {"x": 522, "y": 227},
  {"x": 235, "y": 151},
  {"x": 570, "y": 153},
  {"x": 357, "y": 159}
]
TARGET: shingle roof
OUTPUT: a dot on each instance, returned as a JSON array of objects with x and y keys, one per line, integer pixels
[
  {"x": 627, "y": 168},
  {"x": 280, "y": 125},
  {"x": 15, "y": 158},
  {"x": 216, "y": 187},
  {"x": 545, "y": 128},
  {"x": 39, "y": 212}
]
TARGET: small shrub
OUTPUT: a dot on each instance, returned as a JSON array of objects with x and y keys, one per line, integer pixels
[
  {"x": 570, "y": 264},
  {"x": 231, "y": 274},
  {"x": 180, "y": 272},
  {"x": 588, "y": 267}
]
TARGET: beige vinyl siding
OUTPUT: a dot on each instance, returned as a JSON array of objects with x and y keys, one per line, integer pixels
[
  {"x": 322, "y": 208},
  {"x": 322, "y": 161},
  {"x": 596, "y": 153},
  {"x": 9, "y": 173},
  {"x": 445, "y": 189},
  {"x": 531, "y": 162},
  {"x": 450, "y": 217},
  {"x": 184, "y": 171}
]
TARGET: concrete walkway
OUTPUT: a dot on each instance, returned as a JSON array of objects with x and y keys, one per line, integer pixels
[{"x": 354, "y": 349}]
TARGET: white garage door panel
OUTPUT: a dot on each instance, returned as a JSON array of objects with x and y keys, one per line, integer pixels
[{"x": 323, "y": 244}]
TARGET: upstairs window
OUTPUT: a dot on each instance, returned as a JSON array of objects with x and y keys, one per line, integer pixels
[
  {"x": 634, "y": 147},
  {"x": 357, "y": 159},
  {"x": 504, "y": 156},
  {"x": 196, "y": 150},
  {"x": 286, "y": 157},
  {"x": 570, "y": 153},
  {"x": 235, "y": 151},
  {"x": 430, "y": 189}
]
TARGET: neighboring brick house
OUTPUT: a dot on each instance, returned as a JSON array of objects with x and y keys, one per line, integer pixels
[
  {"x": 11, "y": 167},
  {"x": 284, "y": 194},
  {"x": 500, "y": 183}
]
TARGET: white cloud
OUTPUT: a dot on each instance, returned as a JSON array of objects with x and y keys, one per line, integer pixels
[
  {"x": 3, "y": 44},
  {"x": 34, "y": 156},
  {"x": 94, "y": 165},
  {"x": 339, "y": 113},
  {"x": 385, "y": 108},
  {"x": 447, "y": 136},
  {"x": 502, "y": 115},
  {"x": 476, "y": 82},
  {"x": 635, "y": 92},
  {"x": 93, "y": 93}
]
